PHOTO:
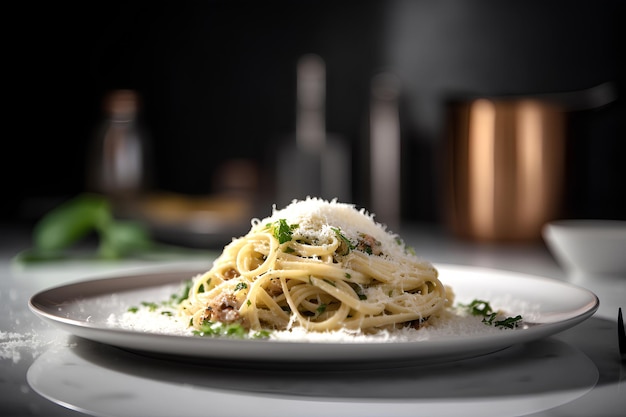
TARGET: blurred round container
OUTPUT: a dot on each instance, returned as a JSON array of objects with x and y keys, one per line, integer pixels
[
  {"x": 504, "y": 161},
  {"x": 505, "y": 167},
  {"x": 588, "y": 246}
]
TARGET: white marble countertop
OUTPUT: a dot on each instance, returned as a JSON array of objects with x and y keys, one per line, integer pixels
[{"x": 574, "y": 373}]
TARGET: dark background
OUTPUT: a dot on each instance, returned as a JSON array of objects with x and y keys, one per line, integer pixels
[{"x": 217, "y": 82}]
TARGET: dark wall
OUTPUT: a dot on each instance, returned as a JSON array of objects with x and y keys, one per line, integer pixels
[{"x": 217, "y": 81}]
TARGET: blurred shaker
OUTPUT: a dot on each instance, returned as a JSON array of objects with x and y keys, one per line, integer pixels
[
  {"x": 118, "y": 163},
  {"x": 316, "y": 164},
  {"x": 385, "y": 150}
]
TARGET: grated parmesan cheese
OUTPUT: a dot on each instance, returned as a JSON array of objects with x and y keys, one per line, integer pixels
[
  {"x": 317, "y": 217},
  {"x": 455, "y": 324}
]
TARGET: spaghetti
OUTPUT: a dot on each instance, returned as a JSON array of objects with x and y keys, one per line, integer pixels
[{"x": 319, "y": 265}]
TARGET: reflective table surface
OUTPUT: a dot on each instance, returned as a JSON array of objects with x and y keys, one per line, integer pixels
[{"x": 49, "y": 372}]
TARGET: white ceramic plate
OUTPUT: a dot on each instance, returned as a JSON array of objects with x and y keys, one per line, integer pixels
[{"x": 548, "y": 307}]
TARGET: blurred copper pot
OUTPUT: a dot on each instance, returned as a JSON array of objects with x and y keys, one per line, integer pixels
[{"x": 505, "y": 162}]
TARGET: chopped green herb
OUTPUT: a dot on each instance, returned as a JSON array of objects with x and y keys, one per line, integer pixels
[
  {"x": 234, "y": 330},
  {"x": 209, "y": 328},
  {"x": 133, "y": 309},
  {"x": 241, "y": 286},
  {"x": 509, "y": 322},
  {"x": 261, "y": 334},
  {"x": 488, "y": 319},
  {"x": 321, "y": 308},
  {"x": 478, "y": 308},
  {"x": 483, "y": 308},
  {"x": 359, "y": 292},
  {"x": 184, "y": 293},
  {"x": 282, "y": 231},
  {"x": 407, "y": 249},
  {"x": 151, "y": 306},
  {"x": 348, "y": 275},
  {"x": 346, "y": 245}
]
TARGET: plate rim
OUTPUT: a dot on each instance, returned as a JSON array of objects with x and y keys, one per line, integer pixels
[{"x": 246, "y": 349}]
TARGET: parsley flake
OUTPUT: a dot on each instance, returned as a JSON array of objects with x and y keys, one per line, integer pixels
[
  {"x": 282, "y": 231},
  {"x": 484, "y": 309}
]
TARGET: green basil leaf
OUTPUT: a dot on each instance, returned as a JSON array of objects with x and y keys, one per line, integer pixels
[{"x": 71, "y": 221}]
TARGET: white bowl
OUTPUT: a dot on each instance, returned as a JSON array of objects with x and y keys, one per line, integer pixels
[{"x": 588, "y": 246}]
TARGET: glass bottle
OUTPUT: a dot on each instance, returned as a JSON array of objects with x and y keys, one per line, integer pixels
[{"x": 118, "y": 166}]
